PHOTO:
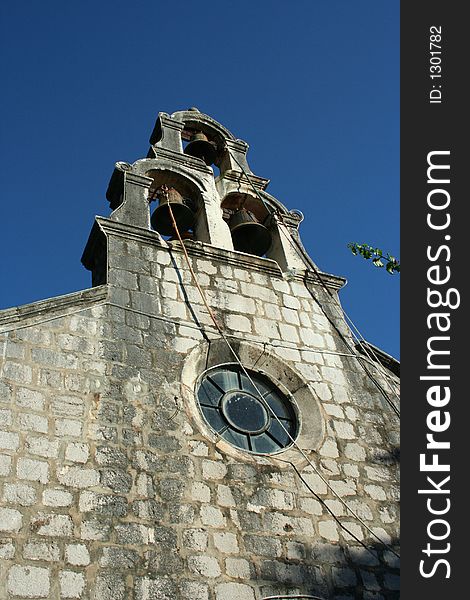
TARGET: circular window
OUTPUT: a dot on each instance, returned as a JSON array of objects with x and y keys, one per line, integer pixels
[{"x": 249, "y": 412}]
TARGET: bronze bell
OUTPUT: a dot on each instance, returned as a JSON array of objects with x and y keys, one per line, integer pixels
[
  {"x": 181, "y": 208},
  {"x": 186, "y": 235},
  {"x": 248, "y": 234},
  {"x": 200, "y": 147}
]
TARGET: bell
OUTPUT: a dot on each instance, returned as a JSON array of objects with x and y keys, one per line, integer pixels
[
  {"x": 200, "y": 147},
  {"x": 161, "y": 219},
  {"x": 248, "y": 234},
  {"x": 186, "y": 235}
]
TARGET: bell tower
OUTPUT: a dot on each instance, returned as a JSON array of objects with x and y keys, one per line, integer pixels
[
  {"x": 284, "y": 428},
  {"x": 201, "y": 424}
]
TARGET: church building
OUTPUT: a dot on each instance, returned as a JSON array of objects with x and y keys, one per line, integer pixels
[{"x": 201, "y": 423}]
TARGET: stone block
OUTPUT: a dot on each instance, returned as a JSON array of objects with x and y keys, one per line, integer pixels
[
  {"x": 200, "y": 492},
  {"x": 7, "y": 549},
  {"x": 266, "y": 328},
  {"x": 47, "y": 551},
  {"x": 195, "y": 539},
  {"x": 296, "y": 551},
  {"x": 42, "y": 446},
  {"x": 19, "y": 493},
  {"x": 345, "y": 430},
  {"x": 68, "y": 427},
  {"x": 238, "y": 568},
  {"x": 234, "y": 591},
  {"x": 212, "y": 516},
  {"x": 289, "y": 333},
  {"x": 329, "y": 449},
  {"x": 206, "y": 566},
  {"x": 9, "y": 440},
  {"x": 5, "y": 417},
  {"x": 311, "y": 506},
  {"x": 110, "y": 456},
  {"x": 315, "y": 482},
  {"x": 343, "y": 488},
  {"x": 10, "y": 519},
  {"x": 375, "y": 492},
  {"x": 156, "y": 588},
  {"x": 17, "y": 372},
  {"x": 33, "y": 470},
  {"x": 238, "y": 323},
  {"x": 199, "y": 448},
  {"x": 135, "y": 533},
  {"x": 95, "y": 529},
  {"x": 52, "y": 525},
  {"x": 213, "y": 470},
  {"x": 116, "y": 479},
  {"x": 77, "y": 452},
  {"x": 354, "y": 528},
  {"x": 28, "y": 582},
  {"x": 32, "y": 422},
  {"x": 110, "y": 586},
  {"x": 78, "y": 477},
  {"x": 56, "y": 497},
  {"x": 105, "y": 504},
  {"x": 290, "y": 302},
  {"x": 77, "y": 555},
  {"x": 329, "y": 530},
  {"x": 226, "y": 542},
  {"x": 119, "y": 558},
  {"x": 355, "y": 452},
  {"x": 193, "y": 590},
  {"x": 286, "y": 525},
  {"x": 5, "y": 465},
  {"x": 72, "y": 584},
  {"x": 171, "y": 489},
  {"x": 276, "y": 570},
  {"x": 343, "y": 577},
  {"x": 67, "y": 406}
]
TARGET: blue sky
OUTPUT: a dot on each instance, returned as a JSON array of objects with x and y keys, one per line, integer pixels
[{"x": 312, "y": 86}]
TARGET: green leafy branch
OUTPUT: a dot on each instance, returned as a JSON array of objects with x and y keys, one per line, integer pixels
[{"x": 379, "y": 259}]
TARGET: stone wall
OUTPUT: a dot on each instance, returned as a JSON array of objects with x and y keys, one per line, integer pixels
[{"x": 112, "y": 486}]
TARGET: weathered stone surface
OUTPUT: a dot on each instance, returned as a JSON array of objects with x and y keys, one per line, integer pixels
[
  {"x": 71, "y": 584},
  {"x": 19, "y": 493},
  {"x": 77, "y": 554},
  {"x": 115, "y": 488},
  {"x": 52, "y": 525},
  {"x": 10, "y": 519},
  {"x": 49, "y": 551},
  {"x": 110, "y": 586},
  {"x": 158, "y": 588},
  {"x": 234, "y": 591},
  {"x": 28, "y": 582}
]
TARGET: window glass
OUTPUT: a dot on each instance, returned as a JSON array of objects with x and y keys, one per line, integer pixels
[{"x": 249, "y": 412}]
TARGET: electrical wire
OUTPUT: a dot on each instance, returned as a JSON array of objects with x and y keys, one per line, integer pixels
[{"x": 204, "y": 329}]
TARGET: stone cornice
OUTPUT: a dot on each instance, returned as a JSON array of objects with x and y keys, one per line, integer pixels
[
  {"x": 259, "y": 183},
  {"x": 374, "y": 353},
  {"x": 333, "y": 282},
  {"x": 208, "y": 252},
  {"x": 182, "y": 159},
  {"x": 52, "y": 307}
]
